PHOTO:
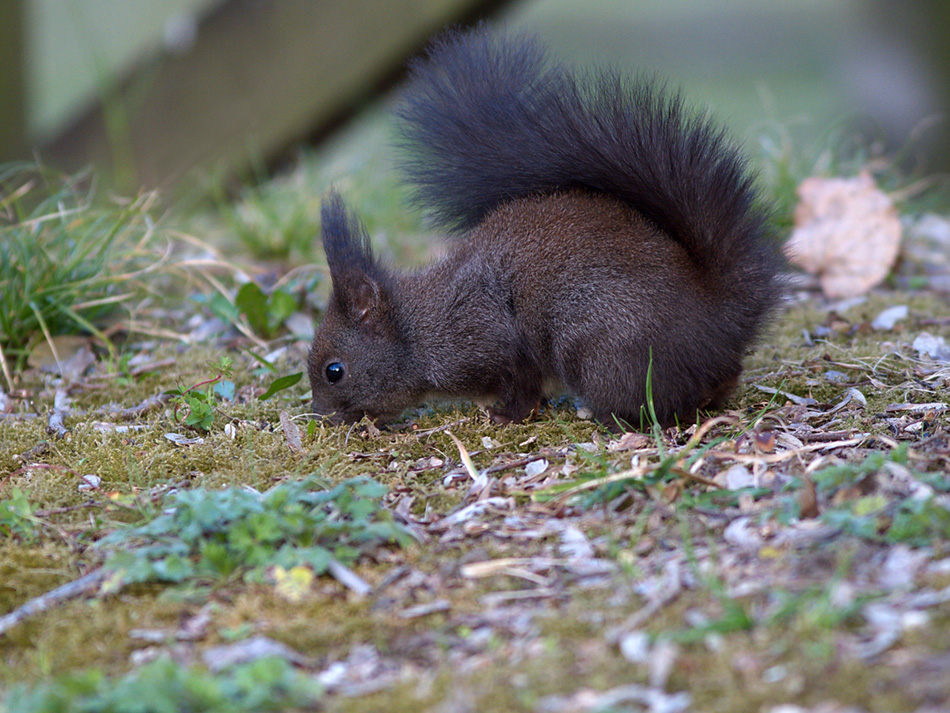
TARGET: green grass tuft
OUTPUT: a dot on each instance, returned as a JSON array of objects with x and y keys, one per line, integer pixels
[{"x": 68, "y": 262}]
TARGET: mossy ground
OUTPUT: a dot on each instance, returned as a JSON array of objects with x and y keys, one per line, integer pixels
[
  {"x": 566, "y": 648},
  {"x": 750, "y": 621}
]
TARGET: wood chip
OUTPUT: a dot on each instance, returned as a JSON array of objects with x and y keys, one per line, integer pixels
[
  {"x": 936, "y": 406},
  {"x": 439, "y": 605},
  {"x": 55, "y": 425},
  {"x": 348, "y": 578},
  {"x": 800, "y": 400}
]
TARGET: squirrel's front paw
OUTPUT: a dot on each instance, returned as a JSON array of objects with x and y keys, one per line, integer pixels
[
  {"x": 499, "y": 417},
  {"x": 513, "y": 413}
]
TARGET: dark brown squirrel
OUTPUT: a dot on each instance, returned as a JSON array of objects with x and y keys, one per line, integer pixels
[{"x": 607, "y": 242}]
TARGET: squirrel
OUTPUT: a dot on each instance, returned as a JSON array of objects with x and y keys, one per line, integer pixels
[{"x": 605, "y": 241}]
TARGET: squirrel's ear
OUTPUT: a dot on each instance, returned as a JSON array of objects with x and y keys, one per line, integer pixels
[
  {"x": 357, "y": 276},
  {"x": 359, "y": 295}
]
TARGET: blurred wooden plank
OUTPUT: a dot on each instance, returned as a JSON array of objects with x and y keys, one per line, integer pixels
[
  {"x": 12, "y": 81},
  {"x": 260, "y": 76}
]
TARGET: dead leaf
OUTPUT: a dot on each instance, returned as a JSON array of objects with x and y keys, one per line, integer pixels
[
  {"x": 536, "y": 468},
  {"x": 363, "y": 672},
  {"x": 629, "y": 442},
  {"x": 61, "y": 407},
  {"x": 90, "y": 482},
  {"x": 901, "y": 566},
  {"x": 764, "y": 441},
  {"x": 627, "y": 697},
  {"x": 420, "y": 610},
  {"x": 808, "y": 499},
  {"x": 672, "y": 491},
  {"x": 635, "y": 646},
  {"x": 292, "y": 584},
  {"x": 348, "y": 578},
  {"x": 291, "y": 432},
  {"x": 194, "y": 628},
  {"x": 471, "y": 512},
  {"x": 846, "y": 231},
  {"x": 181, "y": 440},
  {"x": 934, "y": 406},
  {"x": 66, "y": 355},
  {"x": 466, "y": 458},
  {"x": 800, "y": 400},
  {"x": 889, "y": 318},
  {"x": 661, "y": 662},
  {"x": 574, "y": 543},
  {"x": 735, "y": 477},
  {"x": 742, "y": 533},
  {"x": 934, "y": 347}
]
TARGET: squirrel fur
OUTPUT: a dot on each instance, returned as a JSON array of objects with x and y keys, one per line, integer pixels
[{"x": 600, "y": 233}]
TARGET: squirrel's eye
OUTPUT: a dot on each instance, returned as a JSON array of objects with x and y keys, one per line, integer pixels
[{"x": 335, "y": 371}]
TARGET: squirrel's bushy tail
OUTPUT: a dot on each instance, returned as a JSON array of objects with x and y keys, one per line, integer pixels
[{"x": 487, "y": 119}]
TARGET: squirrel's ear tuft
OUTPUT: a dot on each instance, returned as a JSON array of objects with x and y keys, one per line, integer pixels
[
  {"x": 358, "y": 279},
  {"x": 345, "y": 240}
]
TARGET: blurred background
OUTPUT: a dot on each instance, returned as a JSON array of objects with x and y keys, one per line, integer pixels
[{"x": 150, "y": 91}]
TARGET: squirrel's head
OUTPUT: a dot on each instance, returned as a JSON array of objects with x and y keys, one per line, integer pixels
[{"x": 359, "y": 360}]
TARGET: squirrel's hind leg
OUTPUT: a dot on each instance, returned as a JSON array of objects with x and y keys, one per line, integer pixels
[
  {"x": 676, "y": 409},
  {"x": 720, "y": 393}
]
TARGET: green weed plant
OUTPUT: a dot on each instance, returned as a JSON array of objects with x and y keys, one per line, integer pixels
[
  {"x": 162, "y": 686},
  {"x": 918, "y": 519},
  {"x": 211, "y": 535},
  {"x": 195, "y": 406},
  {"x": 265, "y": 312},
  {"x": 17, "y": 519}
]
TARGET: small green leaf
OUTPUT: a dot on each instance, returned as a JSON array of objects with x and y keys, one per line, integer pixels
[
  {"x": 173, "y": 569},
  {"x": 869, "y": 505},
  {"x": 221, "y": 307},
  {"x": 919, "y": 521},
  {"x": 16, "y": 517},
  {"x": 225, "y": 389},
  {"x": 284, "y": 382},
  {"x": 200, "y": 412},
  {"x": 252, "y": 302},
  {"x": 265, "y": 313},
  {"x": 279, "y": 307},
  {"x": 218, "y": 558}
]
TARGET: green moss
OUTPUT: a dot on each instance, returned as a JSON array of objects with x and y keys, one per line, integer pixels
[
  {"x": 28, "y": 571},
  {"x": 83, "y": 634}
]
